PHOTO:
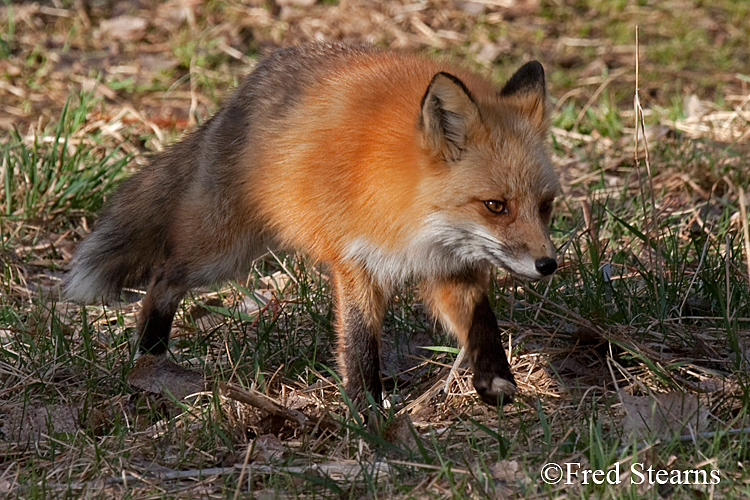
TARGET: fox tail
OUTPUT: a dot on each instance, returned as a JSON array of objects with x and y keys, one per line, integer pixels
[{"x": 130, "y": 238}]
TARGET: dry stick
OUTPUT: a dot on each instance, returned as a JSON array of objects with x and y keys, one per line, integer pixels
[
  {"x": 192, "y": 121},
  {"x": 416, "y": 465},
  {"x": 593, "y": 99},
  {"x": 259, "y": 400},
  {"x": 422, "y": 398},
  {"x": 745, "y": 231},
  {"x": 454, "y": 369},
  {"x": 242, "y": 471},
  {"x": 339, "y": 472},
  {"x": 283, "y": 267},
  {"x": 640, "y": 126},
  {"x": 565, "y": 97}
]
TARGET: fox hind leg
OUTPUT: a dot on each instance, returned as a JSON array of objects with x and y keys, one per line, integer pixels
[
  {"x": 462, "y": 305},
  {"x": 157, "y": 312},
  {"x": 201, "y": 252}
]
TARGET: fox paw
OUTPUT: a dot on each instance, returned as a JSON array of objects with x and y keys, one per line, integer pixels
[{"x": 495, "y": 390}]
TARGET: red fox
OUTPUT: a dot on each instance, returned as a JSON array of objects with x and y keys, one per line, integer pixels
[{"x": 384, "y": 166}]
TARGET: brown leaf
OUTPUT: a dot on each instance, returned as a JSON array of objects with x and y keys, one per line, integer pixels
[
  {"x": 401, "y": 432},
  {"x": 268, "y": 449},
  {"x": 490, "y": 52},
  {"x": 506, "y": 470},
  {"x": 661, "y": 415},
  {"x": 158, "y": 375},
  {"x": 124, "y": 28},
  {"x": 508, "y": 475},
  {"x": 29, "y": 422}
]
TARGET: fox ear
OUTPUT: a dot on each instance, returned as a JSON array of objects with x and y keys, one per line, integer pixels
[
  {"x": 527, "y": 87},
  {"x": 447, "y": 113}
]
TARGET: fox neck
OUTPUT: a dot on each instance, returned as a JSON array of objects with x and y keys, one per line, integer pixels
[{"x": 435, "y": 249}]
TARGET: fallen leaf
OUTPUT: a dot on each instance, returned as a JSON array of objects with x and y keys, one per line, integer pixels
[
  {"x": 508, "y": 475},
  {"x": 28, "y": 422},
  {"x": 251, "y": 304},
  {"x": 124, "y": 28},
  {"x": 268, "y": 449},
  {"x": 473, "y": 8},
  {"x": 400, "y": 431},
  {"x": 506, "y": 470},
  {"x": 661, "y": 415},
  {"x": 158, "y": 375},
  {"x": 694, "y": 108},
  {"x": 277, "y": 281},
  {"x": 490, "y": 52}
]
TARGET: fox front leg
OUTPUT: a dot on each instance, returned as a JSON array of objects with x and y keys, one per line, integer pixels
[
  {"x": 493, "y": 378},
  {"x": 462, "y": 305},
  {"x": 360, "y": 304}
]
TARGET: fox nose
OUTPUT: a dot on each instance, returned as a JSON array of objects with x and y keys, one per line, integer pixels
[{"x": 545, "y": 266}]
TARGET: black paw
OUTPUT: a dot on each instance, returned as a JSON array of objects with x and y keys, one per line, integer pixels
[
  {"x": 495, "y": 389},
  {"x": 493, "y": 379}
]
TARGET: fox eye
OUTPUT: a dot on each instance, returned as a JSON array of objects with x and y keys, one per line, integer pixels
[
  {"x": 495, "y": 206},
  {"x": 545, "y": 209}
]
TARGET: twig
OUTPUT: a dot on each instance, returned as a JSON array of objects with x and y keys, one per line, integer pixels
[
  {"x": 710, "y": 434},
  {"x": 192, "y": 120},
  {"x": 423, "y": 398},
  {"x": 594, "y": 97},
  {"x": 416, "y": 465},
  {"x": 340, "y": 472},
  {"x": 242, "y": 471},
  {"x": 258, "y": 400},
  {"x": 454, "y": 369},
  {"x": 640, "y": 126},
  {"x": 745, "y": 231}
]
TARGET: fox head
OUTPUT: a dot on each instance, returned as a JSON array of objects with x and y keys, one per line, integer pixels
[{"x": 492, "y": 185}]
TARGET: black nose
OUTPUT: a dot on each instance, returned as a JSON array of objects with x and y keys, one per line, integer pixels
[{"x": 546, "y": 266}]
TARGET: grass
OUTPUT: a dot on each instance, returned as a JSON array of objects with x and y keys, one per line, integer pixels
[{"x": 651, "y": 302}]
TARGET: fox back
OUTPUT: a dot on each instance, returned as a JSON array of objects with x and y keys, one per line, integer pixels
[{"x": 385, "y": 166}]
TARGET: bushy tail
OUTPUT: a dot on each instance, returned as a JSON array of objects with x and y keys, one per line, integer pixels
[{"x": 130, "y": 238}]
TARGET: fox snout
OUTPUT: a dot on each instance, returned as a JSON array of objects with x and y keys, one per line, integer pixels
[
  {"x": 546, "y": 266},
  {"x": 530, "y": 250},
  {"x": 526, "y": 264}
]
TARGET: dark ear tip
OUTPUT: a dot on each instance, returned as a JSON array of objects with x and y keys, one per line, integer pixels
[
  {"x": 442, "y": 75},
  {"x": 535, "y": 65},
  {"x": 533, "y": 69},
  {"x": 453, "y": 79},
  {"x": 529, "y": 77}
]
